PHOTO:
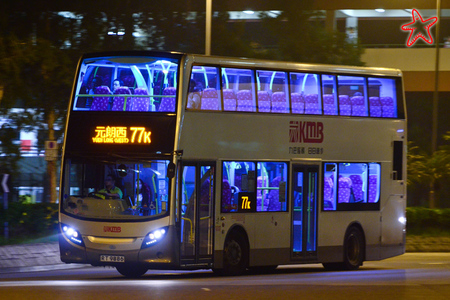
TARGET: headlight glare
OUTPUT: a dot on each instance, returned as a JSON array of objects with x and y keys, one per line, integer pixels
[
  {"x": 154, "y": 237},
  {"x": 72, "y": 234}
]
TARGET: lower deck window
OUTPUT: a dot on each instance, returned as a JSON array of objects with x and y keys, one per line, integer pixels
[
  {"x": 131, "y": 190},
  {"x": 351, "y": 186},
  {"x": 254, "y": 186}
]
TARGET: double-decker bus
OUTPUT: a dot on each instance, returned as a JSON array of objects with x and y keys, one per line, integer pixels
[{"x": 179, "y": 161}]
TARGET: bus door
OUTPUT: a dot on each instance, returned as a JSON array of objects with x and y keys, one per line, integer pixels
[
  {"x": 305, "y": 181},
  {"x": 196, "y": 209}
]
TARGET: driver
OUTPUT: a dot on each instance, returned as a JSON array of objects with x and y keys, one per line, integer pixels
[{"x": 110, "y": 189}]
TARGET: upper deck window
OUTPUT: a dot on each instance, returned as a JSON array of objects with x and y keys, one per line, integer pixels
[
  {"x": 126, "y": 84},
  {"x": 305, "y": 94},
  {"x": 330, "y": 106},
  {"x": 382, "y": 97},
  {"x": 272, "y": 91},
  {"x": 217, "y": 88},
  {"x": 239, "y": 83},
  {"x": 352, "y": 96},
  {"x": 204, "y": 89}
]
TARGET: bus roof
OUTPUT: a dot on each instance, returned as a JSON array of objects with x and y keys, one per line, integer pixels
[
  {"x": 286, "y": 65},
  {"x": 258, "y": 63}
]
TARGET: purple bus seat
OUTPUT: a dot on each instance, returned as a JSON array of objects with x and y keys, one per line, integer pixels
[
  {"x": 229, "y": 100},
  {"x": 388, "y": 110},
  {"x": 328, "y": 189},
  {"x": 312, "y": 104},
  {"x": 345, "y": 184},
  {"x": 329, "y": 105},
  {"x": 375, "y": 107},
  {"x": 119, "y": 101},
  {"x": 140, "y": 103},
  {"x": 101, "y": 103},
  {"x": 210, "y": 100},
  {"x": 244, "y": 100},
  {"x": 358, "y": 106},
  {"x": 345, "y": 105},
  {"x": 357, "y": 187},
  {"x": 263, "y": 101},
  {"x": 328, "y": 193},
  {"x": 373, "y": 189},
  {"x": 298, "y": 103},
  {"x": 279, "y": 103},
  {"x": 168, "y": 103}
]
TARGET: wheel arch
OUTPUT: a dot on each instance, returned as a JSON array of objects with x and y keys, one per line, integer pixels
[
  {"x": 237, "y": 229},
  {"x": 356, "y": 224}
]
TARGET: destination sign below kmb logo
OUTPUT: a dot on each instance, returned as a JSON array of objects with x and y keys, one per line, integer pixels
[{"x": 121, "y": 135}]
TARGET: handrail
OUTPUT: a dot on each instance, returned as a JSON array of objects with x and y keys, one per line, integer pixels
[{"x": 191, "y": 235}]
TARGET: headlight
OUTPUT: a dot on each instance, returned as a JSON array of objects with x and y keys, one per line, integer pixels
[
  {"x": 154, "y": 237},
  {"x": 402, "y": 220},
  {"x": 72, "y": 234}
]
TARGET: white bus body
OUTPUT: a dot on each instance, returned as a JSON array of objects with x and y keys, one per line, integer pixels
[{"x": 273, "y": 163}]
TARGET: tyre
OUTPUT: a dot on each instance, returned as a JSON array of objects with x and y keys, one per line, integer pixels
[
  {"x": 353, "y": 249},
  {"x": 235, "y": 255},
  {"x": 354, "y": 254},
  {"x": 132, "y": 271}
]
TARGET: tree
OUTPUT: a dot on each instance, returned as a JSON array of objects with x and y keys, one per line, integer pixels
[
  {"x": 431, "y": 172},
  {"x": 300, "y": 35},
  {"x": 38, "y": 47},
  {"x": 36, "y": 77}
]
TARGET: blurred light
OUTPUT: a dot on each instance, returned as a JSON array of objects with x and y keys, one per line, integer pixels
[
  {"x": 402, "y": 220},
  {"x": 72, "y": 234},
  {"x": 380, "y": 10},
  {"x": 248, "y": 12},
  {"x": 70, "y": 231},
  {"x": 153, "y": 237}
]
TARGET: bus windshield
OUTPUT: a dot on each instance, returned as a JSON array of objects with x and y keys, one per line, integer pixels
[
  {"x": 127, "y": 190},
  {"x": 131, "y": 84}
]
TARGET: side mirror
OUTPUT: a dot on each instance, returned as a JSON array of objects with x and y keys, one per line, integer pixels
[{"x": 171, "y": 170}]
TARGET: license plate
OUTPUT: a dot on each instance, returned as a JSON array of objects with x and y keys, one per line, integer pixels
[{"x": 112, "y": 258}]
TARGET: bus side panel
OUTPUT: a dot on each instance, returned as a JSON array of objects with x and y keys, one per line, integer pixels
[
  {"x": 264, "y": 231},
  {"x": 228, "y": 222},
  {"x": 393, "y": 239},
  {"x": 332, "y": 228},
  {"x": 270, "y": 243}
]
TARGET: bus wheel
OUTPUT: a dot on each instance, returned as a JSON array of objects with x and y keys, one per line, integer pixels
[
  {"x": 235, "y": 255},
  {"x": 353, "y": 249},
  {"x": 353, "y": 252},
  {"x": 132, "y": 271}
]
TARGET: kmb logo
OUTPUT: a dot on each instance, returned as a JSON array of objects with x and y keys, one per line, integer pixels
[
  {"x": 305, "y": 132},
  {"x": 112, "y": 228}
]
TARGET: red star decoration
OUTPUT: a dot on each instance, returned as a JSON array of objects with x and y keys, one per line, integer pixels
[{"x": 419, "y": 28}]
